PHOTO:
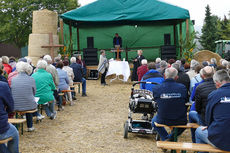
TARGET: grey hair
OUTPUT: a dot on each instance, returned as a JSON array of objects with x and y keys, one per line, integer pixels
[
  {"x": 42, "y": 64},
  {"x": 224, "y": 63},
  {"x": 144, "y": 61},
  {"x": 207, "y": 72},
  {"x": 193, "y": 64},
  {"x": 220, "y": 76},
  {"x": 0, "y": 60},
  {"x": 24, "y": 67},
  {"x": 176, "y": 66},
  {"x": 57, "y": 59},
  {"x": 48, "y": 59},
  {"x": 178, "y": 62},
  {"x": 158, "y": 60},
  {"x": 213, "y": 60},
  {"x": 5, "y": 59},
  {"x": 163, "y": 64},
  {"x": 29, "y": 60},
  {"x": 170, "y": 73},
  {"x": 73, "y": 60}
]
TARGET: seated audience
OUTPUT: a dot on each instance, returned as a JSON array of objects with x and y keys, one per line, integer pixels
[
  {"x": 7, "y": 130},
  {"x": 217, "y": 118},
  {"x": 78, "y": 74},
  {"x": 151, "y": 76},
  {"x": 201, "y": 95},
  {"x": 12, "y": 63},
  {"x": 170, "y": 97},
  {"x": 197, "y": 78},
  {"x": 183, "y": 61},
  {"x": 82, "y": 63},
  {"x": 23, "y": 90},
  {"x": 163, "y": 66},
  {"x": 191, "y": 73},
  {"x": 141, "y": 70},
  {"x": 213, "y": 62},
  {"x": 45, "y": 87},
  {"x": 2, "y": 77},
  {"x": 171, "y": 61},
  {"x": 182, "y": 76},
  {"x": 157, "y": 62},
  {"x": 5, "y": 62},
  {"x": 63, "y": 83},
  {"x": 70, "y": 74}
]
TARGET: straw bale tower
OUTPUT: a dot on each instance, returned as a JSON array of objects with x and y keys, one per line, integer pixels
[{"x": 44, "y": 23}]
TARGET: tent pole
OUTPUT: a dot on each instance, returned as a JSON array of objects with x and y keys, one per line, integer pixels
[
  {"x": 78, "y": 40},
  {"x": 62, "y": 29},
  {"x": 70, "y": 36},
  {"x": 174, "y": 33},
  {"x": 180, "y": 39},
  {"x": 187, "y": 29}
]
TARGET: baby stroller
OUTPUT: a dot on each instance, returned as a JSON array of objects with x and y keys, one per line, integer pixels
[{"x": 141, "y": 101}]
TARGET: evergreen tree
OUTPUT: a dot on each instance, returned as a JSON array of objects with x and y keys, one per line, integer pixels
[{"x": 209, "y": 31}]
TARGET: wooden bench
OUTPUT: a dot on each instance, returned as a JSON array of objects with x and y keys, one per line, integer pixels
[
  {"x": 187, "y": 126},
  {"x": 79, "y": 86},
  {"x": 183, "y": 147},
  {"x": 21, "y": 113},
  {"x": 17, "y": 122},
  {"x": 5, "y": 140}
]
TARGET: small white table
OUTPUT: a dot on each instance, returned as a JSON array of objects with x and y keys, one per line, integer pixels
[{"x": 119, "y": 68}]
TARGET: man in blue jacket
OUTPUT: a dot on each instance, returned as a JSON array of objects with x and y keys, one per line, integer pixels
[
  {"x": 217, "y": 114},
  {"x": 78, "y": 74},
  {"x": 171, "y": 98},
  {"x": 7, "y": 130},
  {"x": 151, "y": 76}
]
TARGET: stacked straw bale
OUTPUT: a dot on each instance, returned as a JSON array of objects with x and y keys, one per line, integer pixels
[
  {"x": 44, "y": 22},
  {"x": 206, "y": 55}
]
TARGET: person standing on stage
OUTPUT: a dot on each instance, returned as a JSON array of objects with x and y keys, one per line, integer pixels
[
  {"x": 136, "y": 64},
  {"x": 103, "y": 67},
  {"x": 117, "y": 43}
]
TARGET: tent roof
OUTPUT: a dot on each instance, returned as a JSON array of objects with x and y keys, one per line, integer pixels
[{"x": 126, "y": 10}]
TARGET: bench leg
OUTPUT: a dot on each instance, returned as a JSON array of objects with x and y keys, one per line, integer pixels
[
  {"x": 79, "y": 88},
  {"x": 175, "y": 130}
]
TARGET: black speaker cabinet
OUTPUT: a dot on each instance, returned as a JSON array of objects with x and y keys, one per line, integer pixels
[
  {"x": 90, "y": 42},
  {"x": 90, "y": 56},
  {"x": 168, "y": 52},
  {"x": 167, "y": 40}
]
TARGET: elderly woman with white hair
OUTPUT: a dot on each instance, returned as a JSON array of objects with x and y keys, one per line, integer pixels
[
  {"x": 23, "y": 90},
  {"x": 142, "y": 69},
  {"x": 191, "y": 73},
  {"x": 45, "y": 87}
]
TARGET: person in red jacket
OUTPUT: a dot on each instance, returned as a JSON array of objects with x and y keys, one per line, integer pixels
[
  {"x": 5, "y": 62},
  {"x": 142, "y": 69}
]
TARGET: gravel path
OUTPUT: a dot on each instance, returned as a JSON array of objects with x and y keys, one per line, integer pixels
[{"x": 93, "y": 125}]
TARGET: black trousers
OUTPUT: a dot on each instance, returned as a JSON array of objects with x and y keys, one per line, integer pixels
[{"x": 103, "y": 76}]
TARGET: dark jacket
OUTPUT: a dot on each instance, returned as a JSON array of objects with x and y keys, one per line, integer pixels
[
  {"x": 115, "y": 41},
  {"x": 218, "y": 117},
  {"x": 184, "y": 79},
  {"x": 2, "y": 78},
  {"x": 201, "y": 96},
  {"x": 171, "y": 98},
  {"x": 151, "y": 76},
  {"x": 6, "y": 106},
  {"x": 136, "y": 64},
  {"x": 78, "y": 72},
  {"x": 141, "y": 70}
]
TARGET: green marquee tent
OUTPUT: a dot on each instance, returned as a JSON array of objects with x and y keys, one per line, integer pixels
[{"x": 142, "y": 24}]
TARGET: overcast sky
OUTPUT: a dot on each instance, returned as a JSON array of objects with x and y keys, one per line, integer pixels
[{"x": 195, "y": 7}]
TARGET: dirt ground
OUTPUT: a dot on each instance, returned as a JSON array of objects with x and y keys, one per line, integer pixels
[{"x": 93, "y": 125}]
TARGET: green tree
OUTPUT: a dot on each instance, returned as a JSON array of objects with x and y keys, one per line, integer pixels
[
  {"x": 224, "y": 29},
  {"x": 16, "y": 17},
  {"x": 209, "y": 31}
]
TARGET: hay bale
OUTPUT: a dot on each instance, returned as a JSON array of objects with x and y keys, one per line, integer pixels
[
  {"x": 206, "y": 55},
  {"x": 44, "y": 22},
  {"x": 38, "y": 40}
]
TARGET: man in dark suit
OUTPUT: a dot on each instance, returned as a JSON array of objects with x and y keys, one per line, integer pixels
[{"x": 117, "y": 43}]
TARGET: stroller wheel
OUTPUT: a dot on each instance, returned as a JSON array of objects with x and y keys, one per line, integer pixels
[
  {"x": 158, "y": 137},
  {"x": 126, "y": 128}
]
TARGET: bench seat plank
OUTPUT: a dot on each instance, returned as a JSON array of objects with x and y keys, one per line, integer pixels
[
  {"x": 5, "y": 140},
  {"x": 16, "y": 121},
  {"x": 188, "y": 146},
  {"x": 189, "y": 125}
]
